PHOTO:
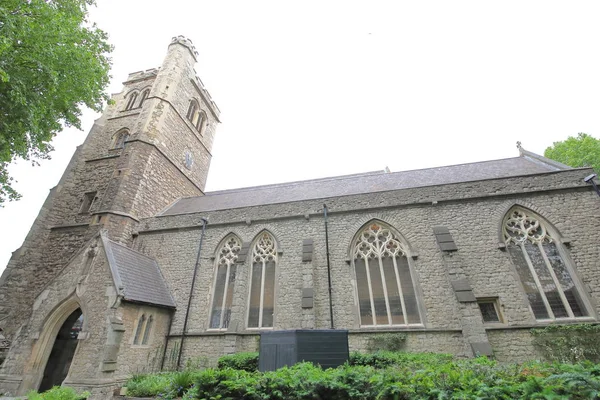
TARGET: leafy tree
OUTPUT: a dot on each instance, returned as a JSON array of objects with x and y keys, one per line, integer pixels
[
  {"x": 580, "y": 151},
  {"x": 52, "y": 62}
]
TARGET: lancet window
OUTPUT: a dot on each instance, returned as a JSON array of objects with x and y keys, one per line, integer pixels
[
  {"x": 131, "y": 102},
  {"x": 120, "y": 138},
  {"x": 262, "y": 282},
  {"x": 140, "y": 329},
  {"x": 195, "y": 115},
  {"x": 145, "y": 95},
  {"x": 220, "y": 315},
  {"x": 147, "y": 330},
  {"x": 540, "y": 261},
  {"x": 384, "y": 281}
]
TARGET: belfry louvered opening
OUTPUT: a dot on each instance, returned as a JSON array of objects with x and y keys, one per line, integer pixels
[
  {"x": 384, "y": 281},
  {"x": 548, "y": 280}
]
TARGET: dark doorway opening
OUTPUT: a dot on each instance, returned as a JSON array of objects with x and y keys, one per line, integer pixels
[{"x": 62, "y": 352}]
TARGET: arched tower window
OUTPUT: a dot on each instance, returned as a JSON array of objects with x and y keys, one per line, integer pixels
[
  {"x": 540, "y": 262},
  {"x": 262, "y": 282},
  {"x": 145, "y": 95},
  {"x": 384, "y": 282},
  {"x": 119, "y": 139},
  {"x": 139, "y": 330},
  {"x": 131, "y": 102},
  {"x": 147, "y": 330},
  {"x": 227, "y": 256},
  {"x": 192, "y": 109},
  {"x": 196, "y": 115}
]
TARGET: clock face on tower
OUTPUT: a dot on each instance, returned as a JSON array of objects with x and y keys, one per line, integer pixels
[{"x": 188, "y": 160}]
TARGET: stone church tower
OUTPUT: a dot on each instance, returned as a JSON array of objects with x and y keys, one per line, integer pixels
[{"x": 151, "y": 146}]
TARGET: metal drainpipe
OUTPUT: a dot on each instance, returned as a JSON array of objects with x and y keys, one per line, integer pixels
[
  {"x": 187, "y": 311},
  {"x": 162, "y": 362},
  {"x": 328, "y": 265}
]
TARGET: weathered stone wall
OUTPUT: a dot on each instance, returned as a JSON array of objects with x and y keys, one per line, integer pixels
[
  {"x": 514, "y": 345},
  {"x": 472, "y": 211},
  {"x": 141, "y": 358},
  {"x": 84, "y": 283}
]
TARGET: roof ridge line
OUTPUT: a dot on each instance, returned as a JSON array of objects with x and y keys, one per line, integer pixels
[{"x": 327, "y": 178}]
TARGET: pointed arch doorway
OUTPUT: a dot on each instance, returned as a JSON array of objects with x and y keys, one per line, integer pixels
[{"x": 62, "y": 352}]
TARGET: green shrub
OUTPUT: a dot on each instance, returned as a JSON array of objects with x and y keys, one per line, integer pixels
[
  {"x": 568, "y": 343},
  {"x": 182, "y": 381},
  {"x": 383, "y": 359},
  {"x": 58, "y": 393},
  {"x": 384, "y": 376},
  {"x": 149, "y": 385},
  {"x": 242, "y": 361},
  {"x": 387, "y": 342}
]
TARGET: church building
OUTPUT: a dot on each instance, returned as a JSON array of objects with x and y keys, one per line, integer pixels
[{"x": 132, "y": 267}]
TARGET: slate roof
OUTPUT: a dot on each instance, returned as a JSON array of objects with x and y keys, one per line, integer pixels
[
  {"x": 526, "y": 164},
  {"x": 137, "y": 277}
]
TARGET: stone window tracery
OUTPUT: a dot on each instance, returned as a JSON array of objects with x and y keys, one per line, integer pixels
[
  {"x": 220, "y": 315},
  {"x": 540, "y": 263},
  {"x": 262, "y": 282},
  {"x": 384, "y": 281}
]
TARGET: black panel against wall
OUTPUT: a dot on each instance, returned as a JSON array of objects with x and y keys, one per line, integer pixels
[{"x": 327, "y": 348}]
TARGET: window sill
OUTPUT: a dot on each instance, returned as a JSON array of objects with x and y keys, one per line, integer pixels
[
  {"x": 409, "y": 328},
  {"x": 543, "y": 324}
]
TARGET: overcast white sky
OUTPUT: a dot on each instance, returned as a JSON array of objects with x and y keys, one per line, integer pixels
[{"x": 309, "y": 89}]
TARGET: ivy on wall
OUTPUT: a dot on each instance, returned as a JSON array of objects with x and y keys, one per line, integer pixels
[{"x": 568, "y": 343}]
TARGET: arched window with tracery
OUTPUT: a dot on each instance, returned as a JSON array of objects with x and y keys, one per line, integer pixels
[
  {"x": 131, "y": 101},
  {"x": 119, "y": 139},
  {"x": 540, "y": 260},
  {"x": 145, "y": 95},
  {"x": 140, "y": 329},
  {"x": 225, "y": 272},
  {"x": 384, "y": 281},
  {"x": 262, "y": 282}
]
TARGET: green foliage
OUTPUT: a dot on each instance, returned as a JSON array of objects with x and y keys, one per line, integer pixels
[
  {"x": 387, "y": 342},
  {"x": 166, "y": 385},
  {"x": 242, "y": 361},
  {"x": 580, "y": 151},
  {"x": 383, "y": 359},
  {"x": 58, "y": 393},
  {"x": 52, "y": 61},
  {"x": 397, "y": 376},
  {"x": 149, "y": 385},
  {"x": 569, "y": 343}
]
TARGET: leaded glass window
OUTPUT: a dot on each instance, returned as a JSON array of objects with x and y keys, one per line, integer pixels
[
  {"x": 546, "y": 278},
  {"x": 262, "y": 282},
  {"x": 227, "y": 256},
  {"x": 384, "y": 281}
]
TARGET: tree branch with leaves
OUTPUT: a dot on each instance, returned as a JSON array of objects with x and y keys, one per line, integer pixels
[
  {"x": 580, "y": 151},
  {"x": 53, "y": 62}
]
